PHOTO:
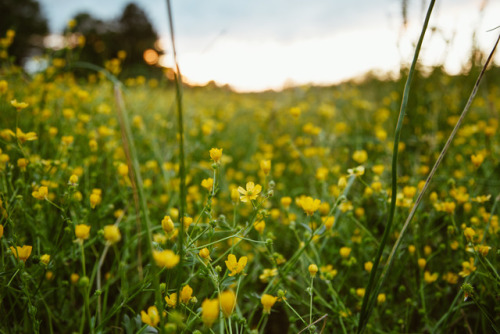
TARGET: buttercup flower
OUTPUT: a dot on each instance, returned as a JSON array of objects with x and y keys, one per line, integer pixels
[
  {"x": 265, "y": 166},
  {"x": 313, "y": 269},
  {"x": 216, "y": 154},
  {"x": 209, "y": 311},
  {"x": 171, "y": 299},
  {"x": 227, "y": 302},
  {"x": 310, "y": 205},
  {"x": 19, "y": 105},
  {"x": 166, "y": 258},
  {"x": 186, "y": 294},
  {"x": 152, "y": 318},
  {"x": 268, "y": 302},
  {"x": 21, "y": 253},
  {"x": 82, "y": 231},
  {"x": 112, "y": 234},
  {"x": 236, "y": 267},
  {"x": 251, "y": 193}
]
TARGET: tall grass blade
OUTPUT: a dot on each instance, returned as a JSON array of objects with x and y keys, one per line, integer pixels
[
  {"x": 366, "y": 308},
  {"x": 180, "y": 129}
]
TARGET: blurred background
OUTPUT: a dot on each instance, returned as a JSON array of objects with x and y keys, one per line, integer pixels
[{"x": 255, "y": 45}]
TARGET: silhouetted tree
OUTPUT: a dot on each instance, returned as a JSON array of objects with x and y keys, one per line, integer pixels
[
  {"x": 131, "y": 32},
  {"x": 29, "y": 23}
]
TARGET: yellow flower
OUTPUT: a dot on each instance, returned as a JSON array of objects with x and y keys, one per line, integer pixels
[
  {"x": 152, "y": 318},
  {"x": 95, "y": 199},
  {"x": 368, "y": 266},
  {"x": 421, "y": 263},
  {"x": 19, "y": 105},
  {"x": 73, "y": 180},
  {"x": 171, "y": 299},
  {"x": 313, "y": 269},
  {"x": 112, "y": 234},
  {"x": 207, "y": 183},
  {"x": 469, "y": 234},
  {"x": 360, "y": 292},
  {"x": 227, "y": 302},
  {"x": 344, "y": 252},
  {"x": 235, "y": 195},
  {"x": 360, "y": 156},
  {"x": 430, "y": 278},
  {"x": 477, "y": 159},
  {"x": 45, "y": 259},
  {"x": 82, "y": 231},
  {"x": 186, "y": 294},
  {"x": 328, "y": 221},
  {"x": 41, "y": 193},
  {"x": 251, "y": 193},
  {"x": 205, "y": 254},
  {"x": 187, "y": 221},
  {"x": 122, "y": 169},
  {"x": 483, "y": 249},
  {"x": 286, "y": 201},
  {"x": 381, "y": 298},
  {"x": 166, "y": 258},
  {"x": 268, "y": 302},
  {"x": 21, "y": 253},
  {"x": 167, "y": 224},
  {"x": 236, "y": 267},
  {"x": 310, "y": 205},
  {"x": 22, "y": 163},
  {"x": 467, "y": 268},
  {"x": 265, "y": 166},
  {"x": 216, "y": 154},
  {"x": 259, "y": 226},
  {"x": 23, "y": 137},
  {"x": 209, "y": 311},
  {"x": 1, "y": 231}
]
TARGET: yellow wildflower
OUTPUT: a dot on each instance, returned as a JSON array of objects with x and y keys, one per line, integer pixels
[
  {"x": 251, "y": 193},
  {"x": 265, "y": 166},
  {"x": 381, "y": 298},
  {"x": 227, "y": 302},
  {"x": 360, "y": 156},
  {"x": 22, "y": 163},
  {"x": 207, "y": 183},
  {"x": 313, "y": 269},
  {"x": 430, "y": 278},
  {"x": 310, "y": 205},
  {"x": 259, "y": 226},
  {"x": 344, "y": 252},
  {"x": 21, "y": 253},
  {"x": 167, "y": 224},
  {"x": 112, "y": 234},
  {"x": 41, "y": 193},
  {"x": 24, "y": 137},
  {"x": 216, "y": 154},
  {"x": 171, "y": 299},
  {"x": 469, "y": 234},
  {"x": 467, "y": 268},
  {"x": 205, "y": 254},
  {"x": 82, "y": 232},
  {"x": 236, "y": 267},
  {"x": 95, "y": 199},
  {"x": 45, "y": 259},
  {"x": 152, "y": 318},
  {"x": 19, "y": 105},
  {"x": 368, "y": 266},
  {"x": 209, "y": 311},
  {"x": 268, "y": 302},
  {"x": 186, "y": 294},
  {"x": 477, "y": 159},
  {"x": 483, "y": 249},
  {"x": 166, "y": 258}
]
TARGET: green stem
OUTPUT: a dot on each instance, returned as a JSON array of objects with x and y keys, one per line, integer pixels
[{"x": 366, "y": 309}]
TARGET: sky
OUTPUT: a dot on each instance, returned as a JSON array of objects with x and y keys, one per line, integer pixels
[{"x": 268, "y": 44}]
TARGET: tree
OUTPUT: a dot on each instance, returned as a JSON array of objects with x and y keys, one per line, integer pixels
[
  {"x": 30, "y": 25},
  {"x": 131, "y": 32}
]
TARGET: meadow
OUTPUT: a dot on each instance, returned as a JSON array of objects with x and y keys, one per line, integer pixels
[{"x": 126, "y": 210}]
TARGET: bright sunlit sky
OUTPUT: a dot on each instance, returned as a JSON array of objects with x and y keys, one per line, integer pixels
[{"x": 264, "y": 44}]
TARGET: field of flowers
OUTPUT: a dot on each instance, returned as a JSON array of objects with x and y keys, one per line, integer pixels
[{"x": 277, "y": 228}]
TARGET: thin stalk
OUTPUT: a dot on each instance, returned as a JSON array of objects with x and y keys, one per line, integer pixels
[
  {"x": 365, "y": 309},
  {"x": 390, "y": 260},
  {"x": 180, "y": 126}
]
